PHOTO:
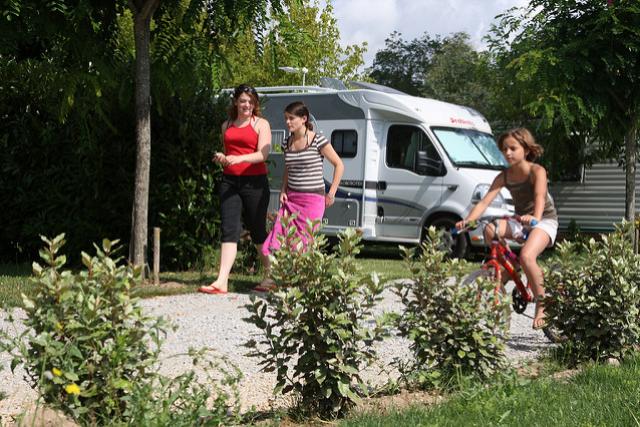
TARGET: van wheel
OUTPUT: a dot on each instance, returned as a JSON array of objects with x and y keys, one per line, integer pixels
[{"x": 455, "y": 246}]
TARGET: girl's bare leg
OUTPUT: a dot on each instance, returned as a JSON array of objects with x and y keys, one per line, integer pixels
[
  {"x": 536, "y": 243},
  {"x": 227, "y": 257}
]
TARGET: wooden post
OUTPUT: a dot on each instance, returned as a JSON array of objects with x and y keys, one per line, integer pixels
[{"x": 156, "y": 255}]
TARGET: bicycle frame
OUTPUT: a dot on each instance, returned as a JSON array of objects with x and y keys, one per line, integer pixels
[
  {"x": 498, "y": 260},
  {"x": 501, "y": 257}
]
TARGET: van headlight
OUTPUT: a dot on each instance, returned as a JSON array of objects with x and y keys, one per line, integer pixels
[{"x": 480, "y": 191}]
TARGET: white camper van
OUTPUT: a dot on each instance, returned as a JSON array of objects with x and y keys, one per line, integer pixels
[{"x": 410, "y": 162}]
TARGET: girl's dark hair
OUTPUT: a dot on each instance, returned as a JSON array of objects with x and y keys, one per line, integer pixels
[
  {"x": 249, "y": 90},
  {"x": 526, "y": 139},
  {"x": 299, "y": 109}
]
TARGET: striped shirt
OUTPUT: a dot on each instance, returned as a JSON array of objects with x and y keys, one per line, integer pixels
[{"x": 304, "y": 167}]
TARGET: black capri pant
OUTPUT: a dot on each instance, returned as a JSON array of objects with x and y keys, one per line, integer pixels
[{"x": 244, "y": 198}]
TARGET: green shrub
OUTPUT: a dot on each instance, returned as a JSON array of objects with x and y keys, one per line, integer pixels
[
  {"x": 189, "y": 221},
  {"x": 89, "y": 350},
  {"x": 315, "y": 325},
  {"x": 247, "y": 260},
  {"x": 574, "y": 234},
  {"x": 455, "y": 330},
  {"x": 188, "y": 399},
  {"x": 596, "y": 303}
]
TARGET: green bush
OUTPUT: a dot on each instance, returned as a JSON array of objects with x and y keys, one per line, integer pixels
[
  {"x": 316, "y": 325},
  {"x": 189, "y": 221},
  {"x": 92, "y": 150},
  {"x": 574, "y": 234},
  {"x": 89, "y": 350},
  {"x": 455, "y": 330},
  {"x": 188, "y": 399},
  {"x": 595, "y": 303}
]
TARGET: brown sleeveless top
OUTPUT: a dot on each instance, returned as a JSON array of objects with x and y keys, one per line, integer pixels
[{"x": 523, "y": 198}]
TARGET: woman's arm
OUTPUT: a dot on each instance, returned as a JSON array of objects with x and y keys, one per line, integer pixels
[
  {"x": 264, "y": 145},
  {"x": 338, "y": 169}
]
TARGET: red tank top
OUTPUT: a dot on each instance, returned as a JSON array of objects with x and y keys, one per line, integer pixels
[{"x": 239, "y": 141}]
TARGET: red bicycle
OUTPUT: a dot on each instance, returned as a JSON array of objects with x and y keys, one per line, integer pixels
[{"x": 502, "y": 259}]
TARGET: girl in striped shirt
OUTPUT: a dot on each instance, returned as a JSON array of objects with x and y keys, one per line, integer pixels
[{"x": 303, "y": 187}]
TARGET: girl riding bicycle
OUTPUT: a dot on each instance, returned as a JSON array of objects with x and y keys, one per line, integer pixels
[{"x": 527, "y": 183}]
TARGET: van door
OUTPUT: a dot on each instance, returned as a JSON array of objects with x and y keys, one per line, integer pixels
[
  {"x": 410, "y": 182},
  {"x": 346, "y": 138}
]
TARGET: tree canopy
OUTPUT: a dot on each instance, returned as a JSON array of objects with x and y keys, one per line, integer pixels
[
  {"x": 307, "y": 36},
  {"x": 67, "y": 103},
  {"x": 579, "y": 61},
  {"x": 445, "y": 68}
]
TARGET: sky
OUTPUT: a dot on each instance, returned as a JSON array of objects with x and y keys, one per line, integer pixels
[{"x": 374, "y": 20}]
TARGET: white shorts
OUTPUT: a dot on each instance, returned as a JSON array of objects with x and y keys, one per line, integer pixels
[{"x": 549, "y": 226}]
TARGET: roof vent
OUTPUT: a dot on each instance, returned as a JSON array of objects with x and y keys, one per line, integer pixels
[
  {"x": 331, "y": 83},
  {"x": 376, "y": 87}
]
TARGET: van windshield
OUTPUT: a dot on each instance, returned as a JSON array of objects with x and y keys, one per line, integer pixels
[{"x": 470, "y": 148}]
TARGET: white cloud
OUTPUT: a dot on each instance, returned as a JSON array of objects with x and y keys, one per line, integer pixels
[{"x": 373, "y": 20}]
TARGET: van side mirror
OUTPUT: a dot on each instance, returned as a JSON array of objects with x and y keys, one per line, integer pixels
[{"x": 426, "y": 165}]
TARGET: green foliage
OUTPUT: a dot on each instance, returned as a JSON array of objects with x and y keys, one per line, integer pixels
[
  {"x": 317, "y": 326},
  {"x": 85, "y": 340},
  {"x": 596, "y": 303},
  {"x": 90, "y": 351},
  {"x": 209, "y": 398},
  {"x": 455, "y": 330},
  {"x": 403, "y": 64},
  {"x": 569, "y": 70},
  {"x": 306, "y": 36},
  {"x": 574, "y": 234},
  {"x": 460, "y": 75},
  {"x": 445, "y": 68},
  {"x": 67, "y": 133}
]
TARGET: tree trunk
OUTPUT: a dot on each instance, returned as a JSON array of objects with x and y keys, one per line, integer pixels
[
  {"x": 142, "y": 13},
  {"x": 630, "y": 179}
]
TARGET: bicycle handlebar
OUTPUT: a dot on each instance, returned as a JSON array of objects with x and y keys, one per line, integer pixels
[{"x": 489, "y": 219}]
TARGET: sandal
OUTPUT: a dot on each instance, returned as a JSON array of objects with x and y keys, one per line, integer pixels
[
  {"x": 538, "y": 318},
  {"x": 212, "y": 290}
]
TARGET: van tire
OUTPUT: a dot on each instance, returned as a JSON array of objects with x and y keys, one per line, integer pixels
[{"x": 458, "y": 246}]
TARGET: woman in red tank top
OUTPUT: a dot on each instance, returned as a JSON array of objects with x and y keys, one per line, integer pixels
[{"x": 244, "y": 190}]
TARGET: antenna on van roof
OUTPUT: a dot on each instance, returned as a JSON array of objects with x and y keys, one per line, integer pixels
[{"x": 376, "y": 87}]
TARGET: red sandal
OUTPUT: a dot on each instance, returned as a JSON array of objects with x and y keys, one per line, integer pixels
[{"x": 212, "y": 290}]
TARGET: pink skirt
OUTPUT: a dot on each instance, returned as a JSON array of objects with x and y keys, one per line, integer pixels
[{"x": 306, "y": 206}]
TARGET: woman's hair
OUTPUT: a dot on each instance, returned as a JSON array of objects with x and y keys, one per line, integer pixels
[
  {"x": 526, "y": 139},
  {"x": 299, "y": 109},
  {"x": 249, "y": 90}
]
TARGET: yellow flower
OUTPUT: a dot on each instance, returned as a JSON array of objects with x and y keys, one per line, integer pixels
[
  {"x": 59, "y": 326},
  {"x": 72, "y": 389},
  {"x": 57, "y": 372}
]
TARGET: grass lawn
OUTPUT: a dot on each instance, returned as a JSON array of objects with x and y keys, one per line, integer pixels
[
  {"x": 385, "y": 259},
  {"x": 14, "y": 280},
  {"x": 597, "y": 396}
]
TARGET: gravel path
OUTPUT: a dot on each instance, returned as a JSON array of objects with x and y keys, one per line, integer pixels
[{"x": 216, "y": 321}]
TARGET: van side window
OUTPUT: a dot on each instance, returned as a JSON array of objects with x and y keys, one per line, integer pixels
[
  {"x": 403, "y": 144},
  {"x": 345, "y": 142}
]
